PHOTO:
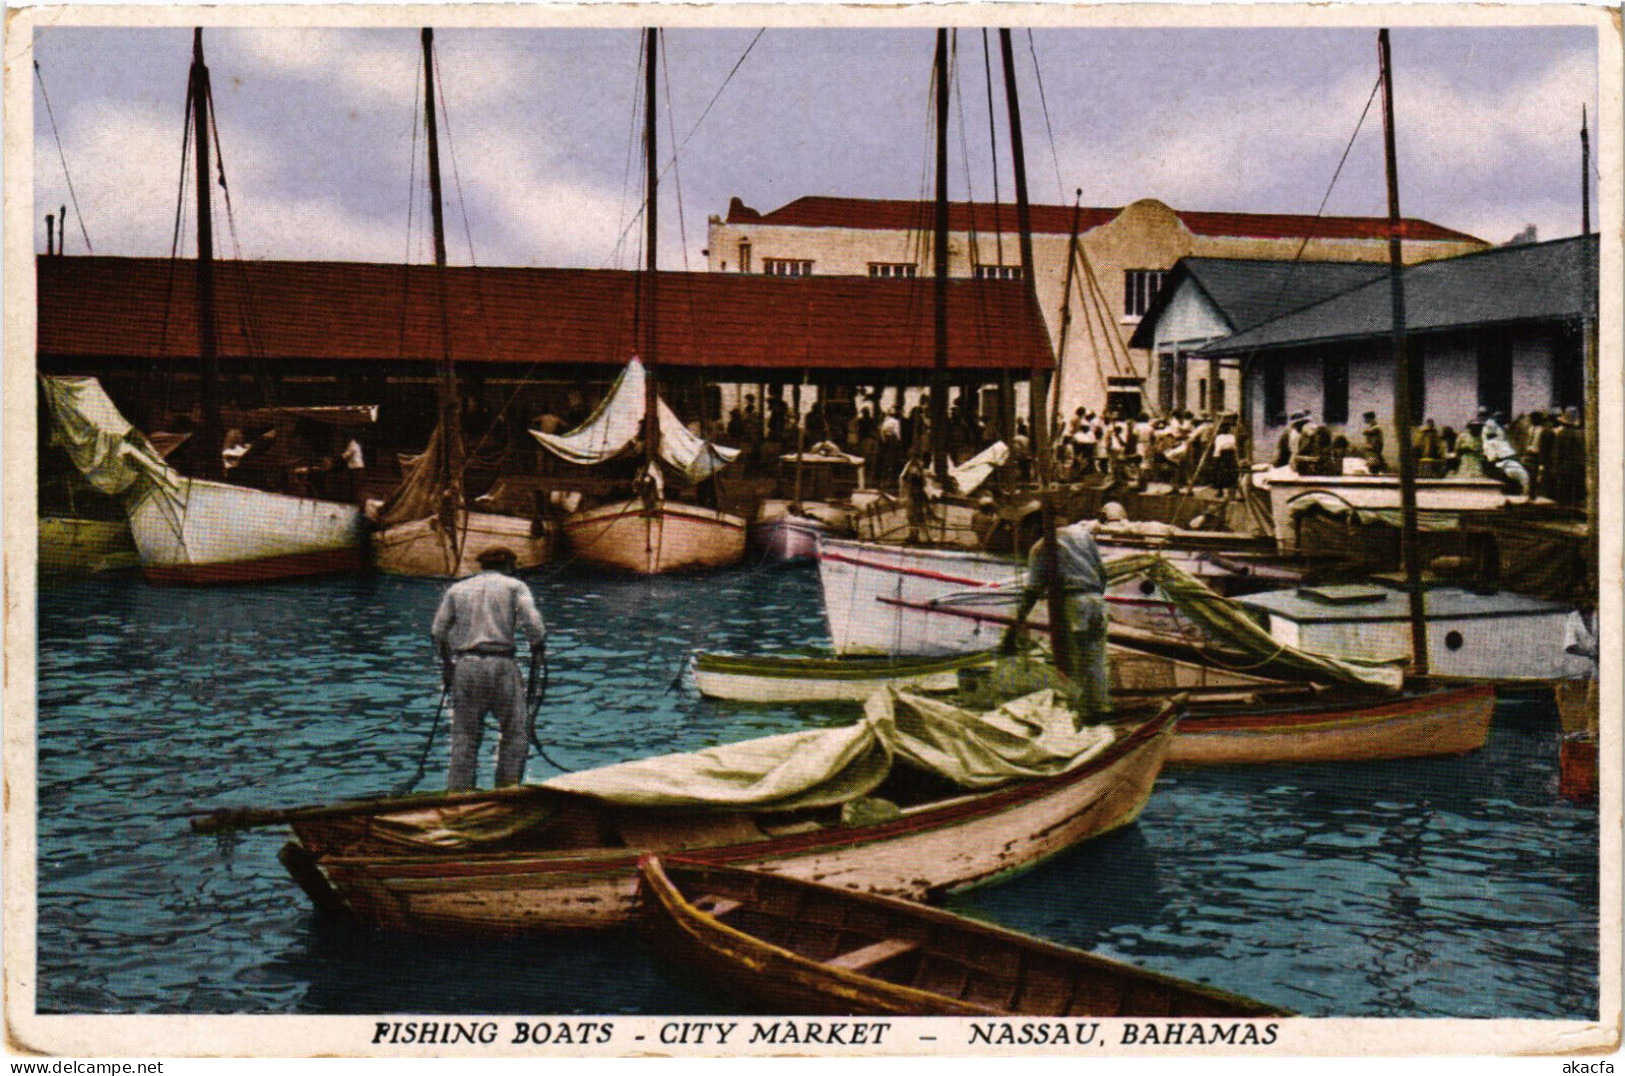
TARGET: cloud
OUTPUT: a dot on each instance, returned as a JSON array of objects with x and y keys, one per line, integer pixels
[{"x": 125, "y": 160}]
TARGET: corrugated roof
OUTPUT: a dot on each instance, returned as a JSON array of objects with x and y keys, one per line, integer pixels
[
  {"x": 143, "y": 308},
  {"x": 1532, "y": 282},
  {"x": 823, "y": 211},
  {"x": 1248, "y": 292}
]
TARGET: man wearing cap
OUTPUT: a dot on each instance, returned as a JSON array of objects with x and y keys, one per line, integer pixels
[
  {"x": 1083, "y": 583},
  {"x": 473, "y": 633}
]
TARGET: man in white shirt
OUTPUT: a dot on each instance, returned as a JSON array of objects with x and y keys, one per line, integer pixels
[{"x": 473, "y": 633}]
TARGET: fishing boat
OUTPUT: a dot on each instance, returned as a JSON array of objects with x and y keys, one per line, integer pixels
[
  {"x": 200, "y": 529},
  {"x": 793, "y": 678},
  {"x": 1231, "y": 717},
  {"x": 77, "y": 544},
  {"x": 795, "y": 947},
  {"x": 886, "y": 812},
  {"x": 909, "y": 601},
  {"x": 786, "y": 532},
  {"x": 648, "y": 533},
  {"x": 429, "y": 527},
  {"x": 1448, "y": 721},
  {"x": 195, "y": 531},
  {"x": 1470, "y": 634}
]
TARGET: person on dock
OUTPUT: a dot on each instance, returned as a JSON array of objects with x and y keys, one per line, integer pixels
[
  {"x": 473, "y": 633},
  {"x": 1083, "y": 582}
]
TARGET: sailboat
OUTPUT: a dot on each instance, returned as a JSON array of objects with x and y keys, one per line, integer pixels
[
  {"x": 427, "y": 527},
  {"x": 197, "y": 529},
  {"x": 648, "y": 533},
  {"x": 882, "y": 597},
  {"x": 1444, "y": 631}
]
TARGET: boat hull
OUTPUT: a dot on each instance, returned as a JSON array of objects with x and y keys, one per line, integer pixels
[
  {"x": 1380, "y": 492},
  {"x": 422, "y": 547},
  {"x": 1449, "y": 722},
  {"x": 75, "y": 546},
  {"x": 966, "y": 841},
  {"x": 211, "y": 532},
  {"x": 632, "y": 537},
  {"x": 792, "y": 679},
  {"x": 898, "y": 601},
  {"x": 799, "y": 948},
  {"x": 787, "y": 538}
]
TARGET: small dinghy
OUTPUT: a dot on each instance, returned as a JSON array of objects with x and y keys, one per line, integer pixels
[{"x": 796, "y": 947}]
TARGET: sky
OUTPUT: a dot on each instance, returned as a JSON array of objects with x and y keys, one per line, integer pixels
[{"x": 324, "y": 157}]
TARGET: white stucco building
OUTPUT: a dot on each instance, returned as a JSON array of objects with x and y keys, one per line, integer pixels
[{"x": 1125, "y": 255}]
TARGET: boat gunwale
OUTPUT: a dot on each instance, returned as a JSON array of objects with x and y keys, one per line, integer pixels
[
  {"x": 653, "y": 868},
  {"x": 938, "y": 814}
]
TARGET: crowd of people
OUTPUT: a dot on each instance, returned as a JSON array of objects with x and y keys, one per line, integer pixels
[{"x": 1538, "y": 454}]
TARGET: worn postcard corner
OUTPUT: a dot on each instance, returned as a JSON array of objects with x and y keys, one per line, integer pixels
[{"x": 1043, "y": 530}]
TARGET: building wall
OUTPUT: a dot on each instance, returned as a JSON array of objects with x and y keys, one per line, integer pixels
[
  {"x": 1449, "y": 372},
  {"x": 1146, "y": 235}
]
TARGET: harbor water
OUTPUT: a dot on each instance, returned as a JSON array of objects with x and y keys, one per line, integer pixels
[{"x": 1453, "y": 887}]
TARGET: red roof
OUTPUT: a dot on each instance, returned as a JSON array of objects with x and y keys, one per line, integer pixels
[
  {"x": 143, "y": 309},
  {"x": 819, "y": 211}
]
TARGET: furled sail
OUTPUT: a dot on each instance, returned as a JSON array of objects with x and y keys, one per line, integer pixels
[
  {"x": 618, "y": 421},
  {"x": 968, "y": 476},
  {"x": 430, "y": 487},
  {"x": 113, "y": 456}
]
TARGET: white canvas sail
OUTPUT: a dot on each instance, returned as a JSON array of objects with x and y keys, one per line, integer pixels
[
  {"x": 113, "y": 456},
  {"x": 618, "y": 421}
]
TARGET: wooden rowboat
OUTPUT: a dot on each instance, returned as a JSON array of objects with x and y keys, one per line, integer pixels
[
  {"x": 667, "y": 536},
  {"x": 1450, "y": 721},
  {"x": 794, "y": 947},
  {"x": 785, "y": 678},
  {"x": 569, "y": 862},
  {"x": 1231, "y": 717}
]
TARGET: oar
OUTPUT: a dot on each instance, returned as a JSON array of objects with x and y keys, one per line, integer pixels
[{"x": 230, "y": 818}]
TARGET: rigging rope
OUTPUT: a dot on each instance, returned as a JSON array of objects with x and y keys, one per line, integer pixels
[
  {"x": 993, "y": 145},
  {"x": 62, "y": 156},
  {"x": 677, "y": 173},
  {"x": 1055, "y": 157},
  {"x": 1286, "y": 278},
  {"x": 672, "y": 163}
]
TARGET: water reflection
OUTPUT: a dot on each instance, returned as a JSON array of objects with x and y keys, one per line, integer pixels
[{"x": 1445, "y": 887}]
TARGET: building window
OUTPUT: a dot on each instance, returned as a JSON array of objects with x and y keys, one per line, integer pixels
[
  {"x": 892, "y": 269},
  {"x": 997, "y": 272},
  {"x": 1334, "y": 390},
  {"x": 744, "y": 257},
  {"x": 786, "y": 267},
  {"x": 1495, "y": 375},
  {"x": 1274, "y": 392},
  {"x": 1139, "y": 288}
]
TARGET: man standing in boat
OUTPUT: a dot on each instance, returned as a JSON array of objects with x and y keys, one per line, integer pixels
[
  {"x": 1083, "y": 581},
  {"x": 473, "y": 633}
]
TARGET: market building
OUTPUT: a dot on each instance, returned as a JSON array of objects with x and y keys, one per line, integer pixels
[{"x": 1126, "y": 255}]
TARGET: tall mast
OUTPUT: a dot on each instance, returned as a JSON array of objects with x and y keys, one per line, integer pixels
[
  {"x": 1066, "y": 297},
  {"x": 1402, "y": 376},
  {"x": 651, "y": 398},
  {"x": 1060, "y": 642},
  {"x": 1585, "y": 175},
  {"x": 450, "y": 411},
  {"x": 207, "y": 341},
  {"x": 1589, "y": 330},
  {"x": 939, "y": 251}
]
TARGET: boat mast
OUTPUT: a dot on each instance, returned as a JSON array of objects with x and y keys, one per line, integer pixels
[
  {"x": 1402, "y": 376},
  {"x": 1060, "y": 642},
  {"x": 1589, "y": 330},
  {"x": 651, "y": 394},
  {"x": 213, "y": 465},
  {"x": 1066, "y": 302},
  {"x": 939, "y": 252},
  {"x": 450, "y": 409}
]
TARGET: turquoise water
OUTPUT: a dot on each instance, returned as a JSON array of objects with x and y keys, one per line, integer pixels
[{"x": 1446, "y": 887}]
